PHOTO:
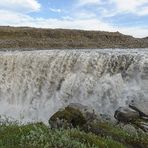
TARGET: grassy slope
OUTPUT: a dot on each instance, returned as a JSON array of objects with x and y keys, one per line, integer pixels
[
  {"x": 11, "y": 37},
  {"x": 38, "y": 135}
]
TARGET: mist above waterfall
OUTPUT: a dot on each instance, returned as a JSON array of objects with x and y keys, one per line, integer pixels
[{"x": 35, "y": 84}]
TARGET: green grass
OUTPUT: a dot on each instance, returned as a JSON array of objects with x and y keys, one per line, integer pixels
[
  {"x": 41, "y": 136},
  {"x": 38, "y": 136}
]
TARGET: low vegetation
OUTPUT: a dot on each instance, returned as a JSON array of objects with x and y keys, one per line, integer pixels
[
  {"x": 39, "y": 135},
  {"x": 115, "y": 132}
]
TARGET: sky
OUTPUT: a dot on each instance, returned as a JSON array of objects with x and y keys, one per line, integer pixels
[{"x": 126, "y": 16}]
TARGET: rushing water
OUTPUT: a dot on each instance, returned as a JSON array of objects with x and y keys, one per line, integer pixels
[{"x": 35, "y": 84}]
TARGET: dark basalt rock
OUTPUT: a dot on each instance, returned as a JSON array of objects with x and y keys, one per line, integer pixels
[
  {"x": 123, "y": 114},
  {"x": 136, "y": 115}
]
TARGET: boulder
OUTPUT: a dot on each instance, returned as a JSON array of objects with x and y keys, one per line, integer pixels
[
  {"x": 67, "y": 118},
  {"x": 124, "y": 114},
  {"x": 141, "y": 107},
  {"x": 72, "y": 116}
]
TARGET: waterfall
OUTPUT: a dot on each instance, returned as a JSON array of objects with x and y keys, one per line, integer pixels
[{"x": 35, "y": 84}]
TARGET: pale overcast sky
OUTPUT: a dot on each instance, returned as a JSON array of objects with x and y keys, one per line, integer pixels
[{"x": 126, "y": 16}]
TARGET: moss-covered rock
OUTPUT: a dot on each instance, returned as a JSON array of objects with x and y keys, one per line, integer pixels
[
  {"x": 67, "y": 118},
  {"x": 73, "y": 115}
]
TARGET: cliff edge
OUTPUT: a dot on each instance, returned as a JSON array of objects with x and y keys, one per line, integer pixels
[{"x": 26, "y": 37}]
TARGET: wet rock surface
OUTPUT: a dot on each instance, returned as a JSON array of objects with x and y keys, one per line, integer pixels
[
  {"x": 144, "y": 125},
  {"x": 124, "y": 114},
  {"x": 141, "y": 107},
  {"x": 136, "y": 114}
]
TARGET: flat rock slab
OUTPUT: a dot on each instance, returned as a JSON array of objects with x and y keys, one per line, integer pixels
[
  {"x": 124, "y": 114},
  {"x": 141, "y": 107}
]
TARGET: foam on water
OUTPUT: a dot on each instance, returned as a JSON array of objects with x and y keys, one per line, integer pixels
[{"x": 35, "y": 84}]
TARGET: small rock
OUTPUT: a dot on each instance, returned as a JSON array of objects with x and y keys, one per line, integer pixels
[
  {"x": 130, "y": 129},
  {"x": 107, "y": 118},
  {"x": 123, "y": 114}
]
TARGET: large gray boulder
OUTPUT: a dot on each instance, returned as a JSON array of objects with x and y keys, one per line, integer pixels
[
  {"x": 141, "y": 107},
  {"x": 124, "y": 114}
]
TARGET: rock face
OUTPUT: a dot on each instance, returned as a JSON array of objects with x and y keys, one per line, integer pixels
[
  {"x": 123, "y": 114},
  {"x": 141, "y": 107}
]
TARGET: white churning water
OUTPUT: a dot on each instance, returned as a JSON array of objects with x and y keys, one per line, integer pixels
[{"x": 35, "y": 84}]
